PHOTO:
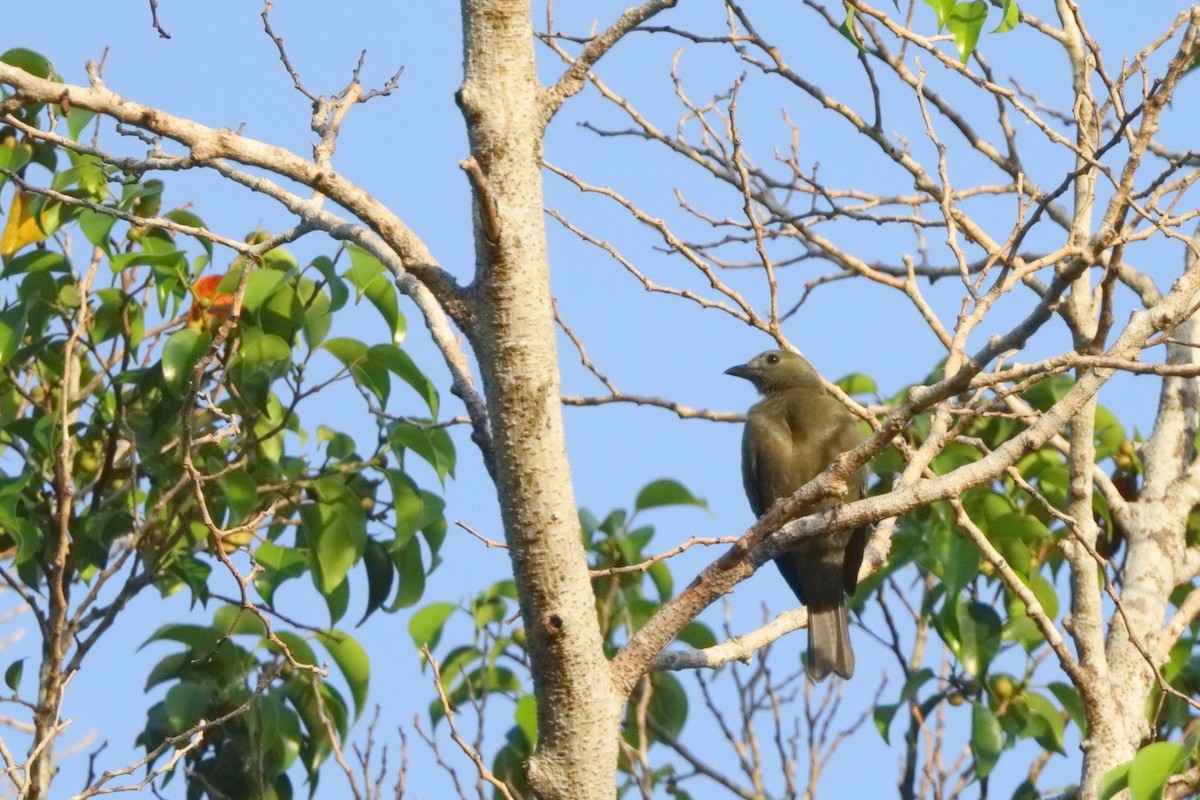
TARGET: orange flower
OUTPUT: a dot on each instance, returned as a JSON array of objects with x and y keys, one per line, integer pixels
[{"x": 209, "y": 309}]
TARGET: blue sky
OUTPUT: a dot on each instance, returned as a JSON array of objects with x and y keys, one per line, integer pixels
[{"x": 220, "y": 69}]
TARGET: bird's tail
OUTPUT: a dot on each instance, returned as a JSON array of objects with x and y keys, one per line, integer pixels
[{"x": 829, "y": 642}]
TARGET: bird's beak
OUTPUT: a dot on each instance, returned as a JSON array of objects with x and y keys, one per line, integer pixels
[{"x": 740, "y": 371}]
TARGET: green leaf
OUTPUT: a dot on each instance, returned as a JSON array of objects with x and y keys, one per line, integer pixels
[
  {"x": 942, "y": 8},
  {"x": 914, "y": 683},
  {"x": 856, "y": 383},
  {"x": 883, "y": 716},
  {"x": 460, "y": 662},
  {"x": 411, "y": 570},
  {"x": 1044, "y": 591},
  {"x": 12, "y": 332},
  {"x": 33, "y": 63},
  {"x": 68, "y": 295},
  {"x": 1152, "y": 766},
  {"x": 847, "y": 29},
  {"x": 262, "y": 359},
  {"x": 955, "y": 455},
  {"x": 1068, "y": 696},
  {"x": 282, "y": 313},
  {"x": 279, "y": 259},
  {"x": 373, "y": 376},
  {"x": 169, "y": 668},
  {"x": 97, "y": 226},
  {"x": 698, "y": 635},
  {"x": 973, "y": 630},
  {"x": 302, "y": 691},
  {"x": 952, "y": 558},
  {"x": 143, "y": 198},
  {"x": 16, "y": 523},
  {"x": 341, "y": 446},
  {"x": 402, "y": 366},
  {"x": 241, "y": 493},
  {"x": 12, "y": 675},
  {"x": 338, "y": 293},
  {"x": 1114, "y": 781},
  {"x": 278, "y": 564},
  {"x": 346, "y": 350},
  {"x": 435, "y": 531},
  {"x": 380, "y": 576},
  {"x": 318, "y": 319},
  {"x": 1020, "y": 627},
  {"x": 262, "y": 355},
  {"x": 13, "y": 158},
  {"x": 1047, "y": 722},
  {"x": 427, "y": 624},
  {"x": 966, "y": 22},
  {"x": 338, "y": 602},
  {"x": 660, "y": 575},
  {"x": 666, "y": 492},
  {"x": 488, "y": 610},
  {"x": 1012, "y": 16},
  {"x": 668, "y": 704},
  {"x": 1052, "y": 482},
  {"x": 1025, "y": 527},
  {"x": 172, "y": 263},
  {"x": 525, "y": 715},
  {"x": 185, "y": 217},
  {"x": 260, "y": 285},
  {"x": 374, "y": 282},
  {"x": 77, "y": 120},
  {"x": 335, "y": 543},
  {"x": 987, "y": 739},
  {"x": 181, "y": 353},
  {"x": 432, "y": 444},
  {"x": 368, "y": 373},
  {"x": 1109, "y": 433},
  {"x": 408, "y": 506},
  {"x": 194, "y": 574},
  {"x": 87, "y": 178},
  {"x": 352, "y": 662},
  {"x": 37, "y": 261},
  {"x": 185, "y": 704},
  {"x": 233, "y": 620}
]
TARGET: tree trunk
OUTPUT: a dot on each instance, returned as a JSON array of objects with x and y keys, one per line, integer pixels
[
  {"x": 1155, "y": 527},
  {"x": 513, "y": 336}
]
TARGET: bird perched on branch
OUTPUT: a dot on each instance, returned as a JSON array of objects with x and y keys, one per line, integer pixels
[{"x": 792, "y": 434}]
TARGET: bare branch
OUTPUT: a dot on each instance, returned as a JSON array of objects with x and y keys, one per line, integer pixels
[{"x": 571, "y": 81}]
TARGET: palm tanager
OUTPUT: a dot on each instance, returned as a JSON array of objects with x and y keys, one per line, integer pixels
[{"x": 792, "y": 434}]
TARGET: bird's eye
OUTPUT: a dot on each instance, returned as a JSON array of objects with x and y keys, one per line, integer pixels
[{"x": 772, "y": 359}]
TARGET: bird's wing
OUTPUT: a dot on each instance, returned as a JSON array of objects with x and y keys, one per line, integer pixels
[
  {"x": 767, "y": 448},
  {"x": 825, "y": 442},
  {"x": 848, "y": 437},
  {"x": 750, "y": 470}
]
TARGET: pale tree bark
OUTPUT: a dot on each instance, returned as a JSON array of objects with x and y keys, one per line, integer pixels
[
  {"x": 1155, "y": 527},
  {"x": 513, "y": 336}
]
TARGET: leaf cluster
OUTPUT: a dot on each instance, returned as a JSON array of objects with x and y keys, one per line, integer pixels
[{"x": 151, "y": 428}]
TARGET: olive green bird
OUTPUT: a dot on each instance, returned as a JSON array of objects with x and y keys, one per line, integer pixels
[{"x": 792, "y": 434}]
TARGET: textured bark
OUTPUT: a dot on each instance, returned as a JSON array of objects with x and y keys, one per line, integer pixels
[
  {"x": 1119, "y": 682},
  {"x": 513, "y": 336},
  {"x": 1155, "y": 528}
]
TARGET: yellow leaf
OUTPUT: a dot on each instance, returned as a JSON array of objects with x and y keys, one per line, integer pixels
[{"x": 22, "y": 227}]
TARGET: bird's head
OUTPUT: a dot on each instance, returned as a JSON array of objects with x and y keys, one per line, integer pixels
[{"x": 776, "y": 369}]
